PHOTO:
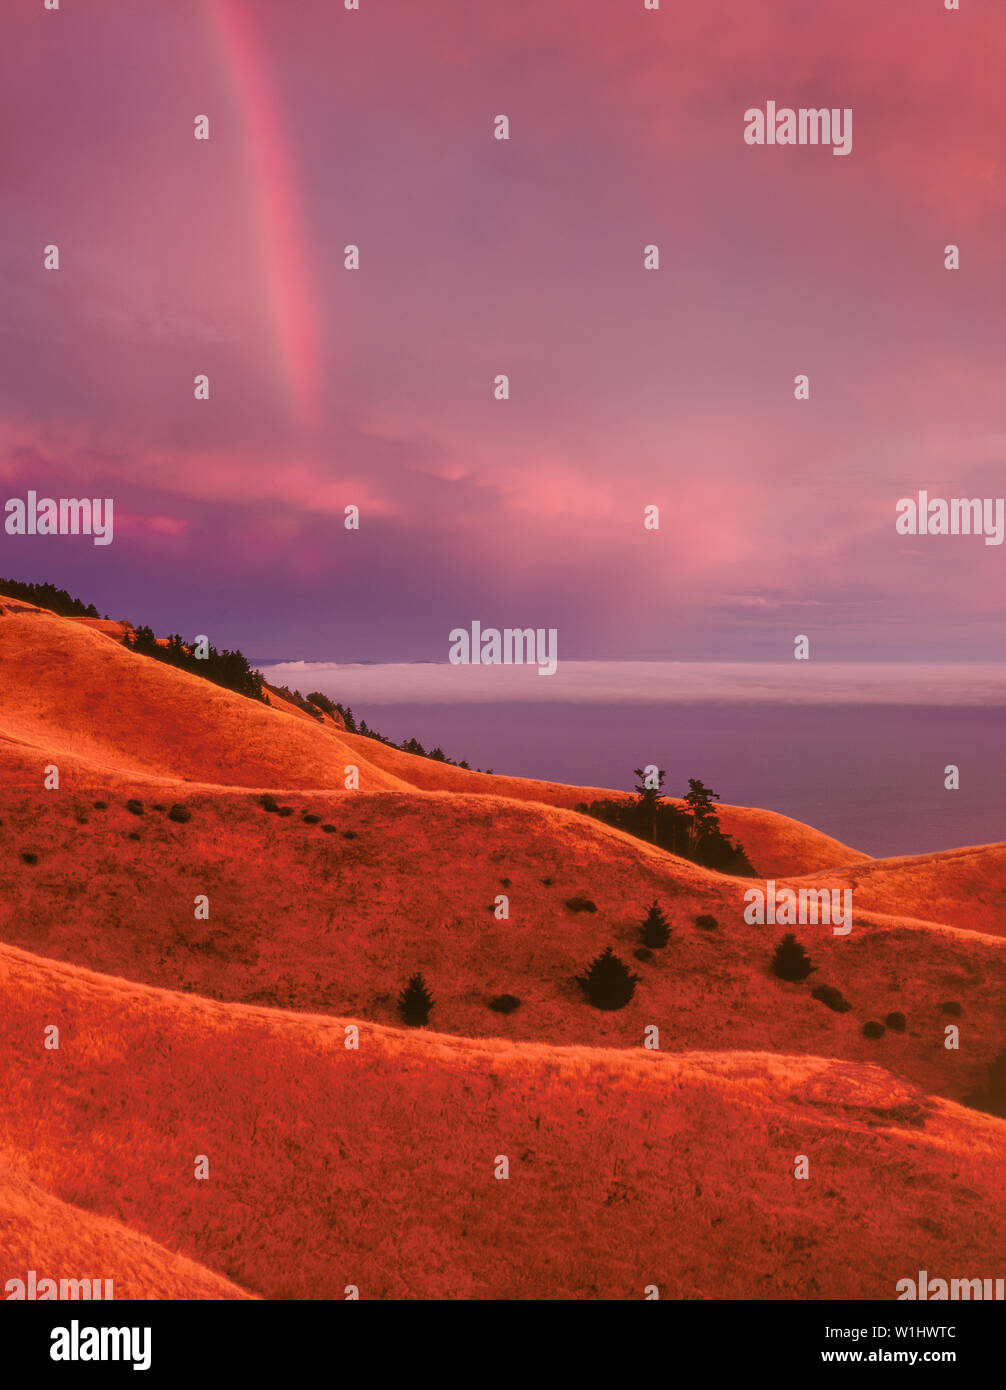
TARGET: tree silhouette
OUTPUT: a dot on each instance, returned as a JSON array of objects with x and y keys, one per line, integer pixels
[
  {"x": 649, "y": 797},
  {"x": 655, "y": 931},
  {"x": 699, "y": 801},
  {"x": 608, "y": 982},
  {"x": 791, "y": 961},
  {"x": 415, "y": 1002}
]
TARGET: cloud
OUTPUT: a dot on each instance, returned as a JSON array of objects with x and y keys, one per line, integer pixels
[{"x": 652, "y": 682}]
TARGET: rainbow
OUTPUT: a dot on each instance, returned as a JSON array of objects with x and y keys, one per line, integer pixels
[{"x": 279, "y": 223}]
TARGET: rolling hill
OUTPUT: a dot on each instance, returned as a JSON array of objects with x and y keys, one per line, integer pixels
[{"x": 207, "y": 915}]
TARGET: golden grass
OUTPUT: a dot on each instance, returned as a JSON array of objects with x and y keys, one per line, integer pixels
[{"x": 331, "y": 1167}]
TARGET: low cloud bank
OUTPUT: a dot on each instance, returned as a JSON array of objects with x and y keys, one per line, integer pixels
[{"x": 652, "y": 682}]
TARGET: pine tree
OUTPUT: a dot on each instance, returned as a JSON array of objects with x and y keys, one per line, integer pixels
[
  {"x": 699, "y": 801},
  {"x": 655, "y": 931},
  {"x": 791, "y": 961},
  {"x": 608, "y": 982},
  {"x": 415, "y": 1002},
  {"x": 650, "y": 797}
]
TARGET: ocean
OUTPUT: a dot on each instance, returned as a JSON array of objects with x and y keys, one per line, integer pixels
[{"x": 871, "y": 775}]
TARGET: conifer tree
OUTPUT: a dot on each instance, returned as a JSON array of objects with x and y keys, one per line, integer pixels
[
  {"x": 655, "y": 931},
  {"x": 608, "y": 982},
  {"x": 650, "y": 797},
  {"x": 791, "y": 961},
  {"x": 415, "y": 1002}
]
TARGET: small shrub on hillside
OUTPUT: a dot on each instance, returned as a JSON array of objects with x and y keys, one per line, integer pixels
[
  {"x": 134, "y": 835},
  {"x": 179, "y": 813},
  {"x": 284, "y": 811},
  {"x": 101, "y": 805},
  {"x": 28, "y": 857},
  {"x": 608, "y": 982},
  {"x": 791, "y": 961},
  {"x": 707, "y": 922},
  {"x": 643, "y": 953},
  {"x": 269, "y": 803},
  {"x": 655, "y": 931},
  {"x": 832, "y": 997},
  {"x": 953, "y": 1008},
  {"x": 309, "y": 818},
  {"x": 581, "y": 904},
  {"x": 135, "y": 806},
  {"x": 873, "y": 1029},
  {"x": 415, "y": 1002},
  {"x": 548, "y": 882},
  {"x": 349, "y": 834},
  {"x": 329, "y": 829},
  {"x": 897, "y": 1022},
  {"x": 504, "y": 1003}
]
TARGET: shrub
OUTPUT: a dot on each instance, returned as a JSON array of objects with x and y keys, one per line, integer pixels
[
  {"x": 179, "y": 813},
  {"x": 896, "y": 1022},
  {"x": 873, "y": 1030},
  {"x": 608, "y": 982},
  {"x": 269, "y": 803},
  {"x": 832, "y": 997},
  {"x": 643, "y": 953},
  {"x": 101, "y": 805},
  {"x": 655, "y": 931},
  {"x": 707, "y": 922},
  {"x": 581, "y": 904},
  {"x": 415, "y": 1002},
  {"x": 790, "y": 961},
  {"x": 309, "y": 818},
  {"x": 953, "y": 1008},
  {"x": 322, "y": 701},
  {"x": 504, "y": 1003},
  {"x": 329, "y": 829},
  {"x": 349, "y": 835},
  {"x": 134, "y": 834},
  {"x": 284, "y": 811},
  {"x": 135, "y": 806},
  {"x": 158, "y": 806},
  {"x": 28, "y": 857}
]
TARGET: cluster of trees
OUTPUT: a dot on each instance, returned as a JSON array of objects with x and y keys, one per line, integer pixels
[
  {"x": 409, "y": 745},
  {"x": 48, "y": 596},
  {"x": 228, "y": 669},
  {"x": 691, "y": 831}
]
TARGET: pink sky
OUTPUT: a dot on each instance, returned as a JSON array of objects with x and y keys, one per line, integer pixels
[{"x": 331, "y": 387}]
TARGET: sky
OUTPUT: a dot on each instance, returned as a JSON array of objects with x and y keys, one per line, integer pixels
[{"x": 374, "y": 387}]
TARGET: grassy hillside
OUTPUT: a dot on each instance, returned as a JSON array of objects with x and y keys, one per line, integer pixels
[
  {"x": 375, "y": 1167},
  {"x": 337, "y": 921}
]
